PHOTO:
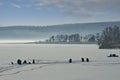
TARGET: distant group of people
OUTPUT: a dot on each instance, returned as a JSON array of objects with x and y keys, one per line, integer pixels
[
  {"x": 20, "y": 62},
  {"x": 113, "y": 55},
  {"x": 82, "y": 60},
  {"x": 85, "y": 60},
  {"x": 24, "y": 62}
]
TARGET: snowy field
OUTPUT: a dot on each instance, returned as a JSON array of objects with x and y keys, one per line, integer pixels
[{"x": 52, "y": 62}]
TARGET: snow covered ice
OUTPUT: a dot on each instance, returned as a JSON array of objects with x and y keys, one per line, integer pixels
[{"x": 52, "y": 62}]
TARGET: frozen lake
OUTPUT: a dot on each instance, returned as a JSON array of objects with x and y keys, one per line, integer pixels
[{"x": 56, "y": 65}]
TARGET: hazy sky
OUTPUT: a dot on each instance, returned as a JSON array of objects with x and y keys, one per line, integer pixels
[{"x": 50, "y": 12}]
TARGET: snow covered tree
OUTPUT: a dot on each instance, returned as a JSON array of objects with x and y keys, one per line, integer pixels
[{"x": 109, "y": 37}]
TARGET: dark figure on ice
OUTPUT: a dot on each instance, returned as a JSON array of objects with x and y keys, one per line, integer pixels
[
  {"x": 19, "y": 62},
  {"x": 82, "y": 59},
  {"x": 70, "y": 60},
  {"x": 113, "y": 55},
  {"x": 33, "y": 61},
  {"x": 12, "y": 63},
  {"x": 29, "y": 62},
  {"x": 87, "y": 59},
  {"x": 24, "y": 62}
]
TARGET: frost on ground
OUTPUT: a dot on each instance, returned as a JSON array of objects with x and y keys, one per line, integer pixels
[{"x": 52, "y": 62}]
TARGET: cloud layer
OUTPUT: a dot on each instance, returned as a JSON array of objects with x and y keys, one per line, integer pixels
[{"x": 81, "y": 7}]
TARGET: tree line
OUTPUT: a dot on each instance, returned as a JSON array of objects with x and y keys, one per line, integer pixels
[{"x": 72, "y": 38}]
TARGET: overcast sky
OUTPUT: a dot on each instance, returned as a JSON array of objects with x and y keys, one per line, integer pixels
[{"x": 52, "y": 12}]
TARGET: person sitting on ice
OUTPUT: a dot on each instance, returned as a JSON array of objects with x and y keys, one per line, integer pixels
[
  {"x": 29, "y": 62},
  {"x": 70, "y": 60},
  {"x": 12, "y": 63},
  {"x": 24, "y": 62},
  {"x": 33, "y": 61},
  {"x": 87, "y": 59},
  {"x": 114, "y": 55},
  {"x": 19, "y": 62},
  {"x": 110, "y": 55},
  {"x": 82, "y": 59}
]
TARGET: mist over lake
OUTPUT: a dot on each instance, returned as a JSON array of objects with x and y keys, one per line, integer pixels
[{"x": 44, "y": 32}]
